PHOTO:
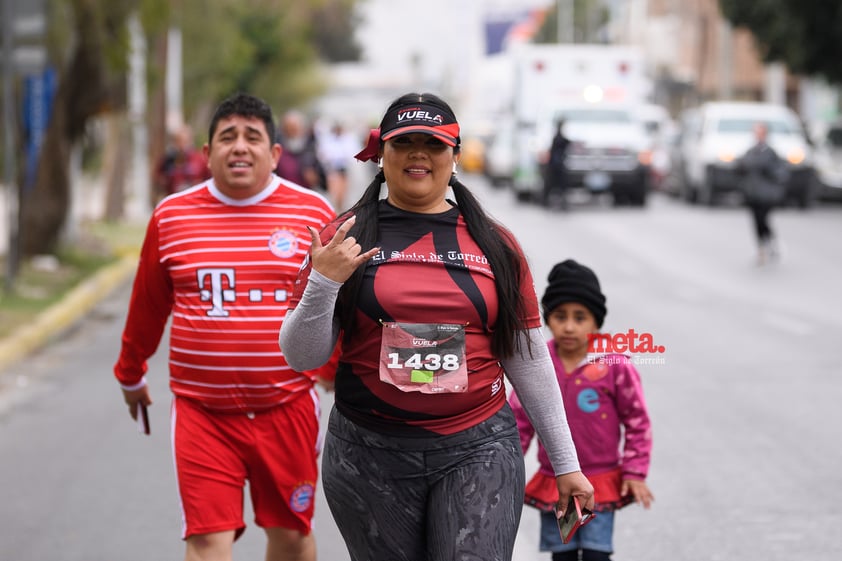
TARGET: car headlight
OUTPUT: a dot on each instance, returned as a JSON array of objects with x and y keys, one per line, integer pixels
[
  {"x": 726, "y": 156},
  {"x": 645, "y": 157},
  {"x": 795, "y": 156}
]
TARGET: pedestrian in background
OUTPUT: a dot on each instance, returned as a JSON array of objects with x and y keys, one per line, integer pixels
[
  {"x": 182, "y": 165},
  {"x": 221, "y": 258},
  {"x": 764, "y": 178},
  {"x": 337, "y": 148},
  {"x": 609, "y": 422},
  {"x": 436, "y": 305},
  {"x": 555, "y": 181},
  {"x": 299, "y": 161}
]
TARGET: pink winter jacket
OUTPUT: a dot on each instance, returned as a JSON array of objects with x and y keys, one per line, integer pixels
[{"x": 606, "y": 411}]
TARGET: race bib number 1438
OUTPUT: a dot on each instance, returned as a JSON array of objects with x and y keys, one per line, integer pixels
[{"x": 424, "y": 357}]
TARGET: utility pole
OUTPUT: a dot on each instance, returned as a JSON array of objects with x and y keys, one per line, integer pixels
[
  {"x": 139, "y": 204},
  {"x": 726, "y": 63},
  {"x": 775, "y": 90},
  {"x": 174, "y": 86},
  {"x": 9, "y": 126},
  {"x": 23, "y": 26},
  {"x": 564, "y": 21}
]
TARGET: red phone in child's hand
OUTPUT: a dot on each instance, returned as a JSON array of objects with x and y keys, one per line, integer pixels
[{"x": 574, "y": 518}]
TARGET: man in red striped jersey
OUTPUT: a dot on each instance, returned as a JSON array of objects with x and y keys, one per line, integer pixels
[{"x": 221, "y": 259}]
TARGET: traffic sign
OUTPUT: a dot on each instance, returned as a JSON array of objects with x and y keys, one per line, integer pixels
[
  {"x": 28, "y": 23},
  {"x": 29, "y": 59}
]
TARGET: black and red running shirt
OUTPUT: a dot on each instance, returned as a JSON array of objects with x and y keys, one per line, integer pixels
[{"x": 429, "y": 270}]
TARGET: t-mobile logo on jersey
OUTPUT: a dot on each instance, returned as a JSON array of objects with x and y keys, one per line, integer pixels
[{"x": 216, "y": 294}]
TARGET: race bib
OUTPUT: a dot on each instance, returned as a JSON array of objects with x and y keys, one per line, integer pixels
[{"x": 424, "y": 357}]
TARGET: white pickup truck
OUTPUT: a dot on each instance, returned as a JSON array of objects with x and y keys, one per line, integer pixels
[
  {"x": 596, "y": 88},
  {"x": 609, "y": 151}
]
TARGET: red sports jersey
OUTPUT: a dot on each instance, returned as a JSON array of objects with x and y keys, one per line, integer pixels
[
  {"x": 430, "y": 271},
  {"x": 225, "y": 270}
]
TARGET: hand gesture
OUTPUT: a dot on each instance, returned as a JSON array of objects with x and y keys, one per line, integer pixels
[{"x": 341, "y": 256}]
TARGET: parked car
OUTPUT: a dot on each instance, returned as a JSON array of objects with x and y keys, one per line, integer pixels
[
  {"x": 828, "y": 151},
  {"x": 721, "y": 132},
  {"x": 661, "y": 130},
  {"x": 499, "y": 165}
]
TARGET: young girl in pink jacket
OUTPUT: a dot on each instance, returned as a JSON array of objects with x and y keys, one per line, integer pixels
[{"x": 606, "y": 411}]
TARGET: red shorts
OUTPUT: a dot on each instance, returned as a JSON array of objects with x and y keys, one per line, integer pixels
[{"x": 275, "y": 450}]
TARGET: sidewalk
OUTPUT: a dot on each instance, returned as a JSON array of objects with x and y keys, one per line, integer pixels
[{"x": 65, "y": 313}]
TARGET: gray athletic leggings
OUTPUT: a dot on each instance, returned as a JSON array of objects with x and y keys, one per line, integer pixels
[{"x": 439, "y": 498}]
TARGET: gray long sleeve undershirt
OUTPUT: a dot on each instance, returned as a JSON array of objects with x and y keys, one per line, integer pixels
[{"x": 309, "y": 333}]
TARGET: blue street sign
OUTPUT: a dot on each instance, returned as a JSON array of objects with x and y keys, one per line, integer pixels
[{"x": 38, "y": 92}]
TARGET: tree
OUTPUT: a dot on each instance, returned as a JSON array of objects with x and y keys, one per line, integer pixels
[
  {"x": 589, "y": 18},
  {"x": 268, "y": 48},
  {"x": 803, "y": 34},
  {"x": 89, "y": 53},
  {"x": 333, "y": 24},
  {"x": 261, "y": 46}
]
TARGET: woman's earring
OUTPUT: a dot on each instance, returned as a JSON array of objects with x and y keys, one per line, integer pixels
[
  {"x": 455, "y": 171},
  {"x": 380, "y": 163}
]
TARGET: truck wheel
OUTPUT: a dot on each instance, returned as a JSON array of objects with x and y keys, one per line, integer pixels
[
  {"x": 639, "y": 197},
  {"x": 807, "y": 196},
  {"x": 707, "y": 194},
  {"x": 523, "y": 196},
  {"x": 619, "y": 197},
  {"x": 691, "y": 194}
]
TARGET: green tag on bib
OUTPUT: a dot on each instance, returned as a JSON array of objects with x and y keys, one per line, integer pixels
[{"x": 422, "y": 376}]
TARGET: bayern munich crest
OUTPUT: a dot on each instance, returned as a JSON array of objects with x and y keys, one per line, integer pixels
[
  {"x": 302, "y": 497},
  {"x": 283, "y": 243}
]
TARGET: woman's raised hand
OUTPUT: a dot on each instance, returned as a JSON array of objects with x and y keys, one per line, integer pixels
[{"x": 340, "y": 257}]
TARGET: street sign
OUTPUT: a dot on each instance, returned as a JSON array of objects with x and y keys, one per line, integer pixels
[
  {"x": 29, "y": 59},
  {"x": 38, "y": 91},
  {"x": 28, "y": 26},
  {"x": 22, "y": 26},
  {"x": 29, "y": 21}
]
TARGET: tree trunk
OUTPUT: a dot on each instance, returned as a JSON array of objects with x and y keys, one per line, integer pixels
[
  {"x": 83, "y": 91},
  {"x": 116, "y": 156},
  {"x": 157, "y": 115},
  {"x": 44, "y": 205}
]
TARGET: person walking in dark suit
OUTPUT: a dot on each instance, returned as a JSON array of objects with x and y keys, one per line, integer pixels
[
  {"x": 764, "y": 178},
  {"x": 556, "y": 175}
]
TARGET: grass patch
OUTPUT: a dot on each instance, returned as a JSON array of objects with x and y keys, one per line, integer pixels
[
  {"x": 43, "y": 280},
  {"x": 120, "y": 238}
]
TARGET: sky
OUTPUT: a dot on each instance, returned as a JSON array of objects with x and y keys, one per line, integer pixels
[{"x": 444, "y": 33}]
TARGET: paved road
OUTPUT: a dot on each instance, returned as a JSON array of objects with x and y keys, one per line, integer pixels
[{"x": 745, "y": 402}]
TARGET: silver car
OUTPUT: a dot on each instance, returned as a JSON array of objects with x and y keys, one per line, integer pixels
[{"x": 723, "y": 131}]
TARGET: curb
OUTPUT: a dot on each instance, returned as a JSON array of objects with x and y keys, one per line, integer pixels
[{"x": 66, "y": 312}]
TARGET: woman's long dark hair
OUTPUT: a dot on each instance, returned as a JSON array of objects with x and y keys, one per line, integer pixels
[{"x": 489, "y": 235}]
